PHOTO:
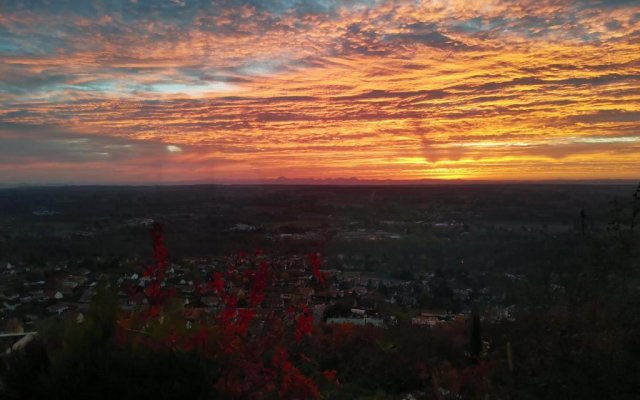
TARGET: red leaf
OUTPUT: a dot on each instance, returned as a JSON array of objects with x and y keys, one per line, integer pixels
[{"x": 331, "y": 375}]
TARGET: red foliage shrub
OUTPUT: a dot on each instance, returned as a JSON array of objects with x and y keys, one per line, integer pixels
[
  {"x": 259, "y": 354},
  {"x": 304, "y": 323},
  {"x": 241, "y": 343},
  {"x": 314, "y": 263},
  {"x": 330, "y": 375}
]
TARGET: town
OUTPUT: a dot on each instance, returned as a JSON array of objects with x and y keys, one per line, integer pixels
[
  {"x": 32, "y": 295},
  {"x": 405, "y": 293},
  {"x": 437, "y": 262}
]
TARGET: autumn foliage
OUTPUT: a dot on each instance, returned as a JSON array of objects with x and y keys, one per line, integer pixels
[
  {"x": 266, "y": 351},
  {"x": 254, "y": 354}
]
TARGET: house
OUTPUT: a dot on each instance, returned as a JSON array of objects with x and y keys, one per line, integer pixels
[
  {"x": 431, "y": 318},
  {"x": 356, "y": 321},
  {"x": 9, "y": 295},
  {"x": 410, "y": 301},
  {"x": 210, "y": 301},
  {"x": 87, "y": 296},
  {"x": 196, "y": 314},
  {"x": 318, "y": 313},
  {"x": 58, "y": 309},
  {"x": 10, "y": 307},
  {"x": 67, "y": 291},
  {"x": 367, "y": 303},
  {"x": 273, "y": 302}
]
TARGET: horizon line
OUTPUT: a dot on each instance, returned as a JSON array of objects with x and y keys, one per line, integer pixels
[{"x": 281, "y": 181}]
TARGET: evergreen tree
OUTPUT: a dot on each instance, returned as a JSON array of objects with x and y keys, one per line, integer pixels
[{"x": 476, "y": 338}]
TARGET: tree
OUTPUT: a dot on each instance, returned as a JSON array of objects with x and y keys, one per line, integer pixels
[{"x": 475, "y": 342}]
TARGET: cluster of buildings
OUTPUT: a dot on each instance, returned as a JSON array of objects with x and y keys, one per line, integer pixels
[{"x": 28, "y": 296}]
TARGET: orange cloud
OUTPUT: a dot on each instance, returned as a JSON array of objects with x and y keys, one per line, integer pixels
[{"x": 384, "y": 90}]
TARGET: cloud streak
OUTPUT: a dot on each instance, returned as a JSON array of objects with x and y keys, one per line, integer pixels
[{"x": 375, "y": 89}]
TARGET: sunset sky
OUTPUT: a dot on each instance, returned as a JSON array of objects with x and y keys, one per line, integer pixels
[{"x": 137, "y": 91}]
